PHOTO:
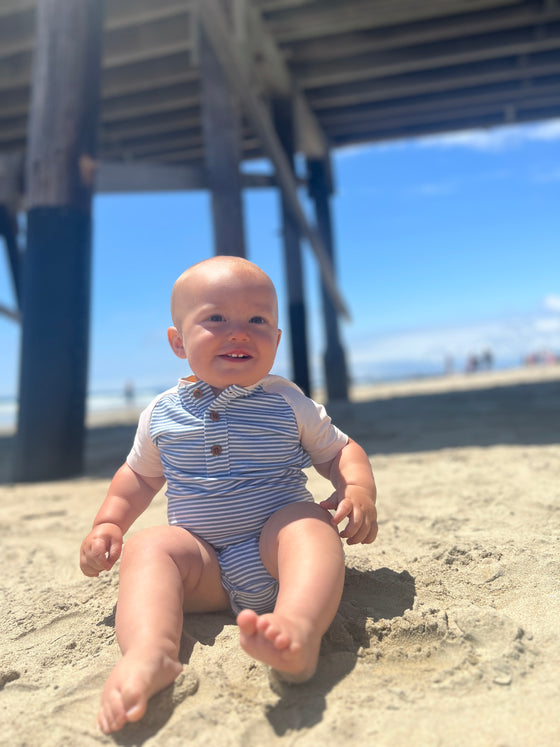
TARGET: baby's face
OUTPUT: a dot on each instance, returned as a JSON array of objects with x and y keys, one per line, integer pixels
[{"x": 227, "y": 328}]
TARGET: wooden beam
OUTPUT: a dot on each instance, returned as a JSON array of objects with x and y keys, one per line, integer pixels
[
  {"x": 11, "y": 200},
  {"x": 278, "y": 81},
  {"x": 119, "y": 176},
  {"x": 212, "y": 18},
  {"x": 142, "y": 176},
  {"x": 12, "y": 314}
]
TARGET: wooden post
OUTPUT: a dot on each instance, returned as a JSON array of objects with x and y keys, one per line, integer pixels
[
  {"x": 215, "y": 26},
  {"x": 11, "y": 194},
  {"x": 283, "y": 119},
  {"x": 221, "y": 129},
  {"x": 320, "y": 189},
  {"x": 56, "y": 270}
]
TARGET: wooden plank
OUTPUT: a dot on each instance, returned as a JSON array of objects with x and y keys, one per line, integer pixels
[
  {"x": 157, "y": 34},
  {"x": 430, "y": 32},
  {"x": 141, "y": 16},
  {"x": 353, "y": 15},
  {"x": 11, "y": 7},
  {"x": 143, "y": 176},
  {"x": 376, "y": 66},
  {"x": 146, "y": 177},
  {"x": 447, "y": 81},
  {"x": 149, "y": 126},
  {"x": 423, "y": 113},
  {"x": 148, "y": 76},
  {"x": 497, "y": 117},
  {"x": 211, "y": 16},
  {"x": 134, "y": 108}
]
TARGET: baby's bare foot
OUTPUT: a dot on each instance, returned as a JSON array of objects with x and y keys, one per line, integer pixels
[
  {"x": 289, "y": 646},
  {"x": 134, "y": 680}
]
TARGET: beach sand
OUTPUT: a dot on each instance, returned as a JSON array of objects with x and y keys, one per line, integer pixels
[{"x": 448, "y": 632}]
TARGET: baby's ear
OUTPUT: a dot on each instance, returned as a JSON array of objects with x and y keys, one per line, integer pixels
[{"x": 176, "y": 342}]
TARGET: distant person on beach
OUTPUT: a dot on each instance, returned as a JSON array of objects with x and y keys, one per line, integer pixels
[
  {"x": 472, "y": 364},
  {"x": 129, "y": 393},
  {"x": 487, "y": 360},
  {"x": 244, "y": 533}
]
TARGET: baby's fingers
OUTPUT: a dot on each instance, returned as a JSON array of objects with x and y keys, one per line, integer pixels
[
  {"x": 343, "y": 510},
  {"x": 330, "y": 503},
  {"x": 365, "y": 534},
  {"x": 94, "y": 558},
  {"x": 355, "y": 529},
  {"x": 361, "y": 527}
]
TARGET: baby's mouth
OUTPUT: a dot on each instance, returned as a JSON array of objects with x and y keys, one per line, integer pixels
[{"x": 235, "y": 356}]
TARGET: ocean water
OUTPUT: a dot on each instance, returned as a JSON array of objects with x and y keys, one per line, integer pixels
[
  {"x": 107, "y": 401},
  {"x": 97, "y": 403}
]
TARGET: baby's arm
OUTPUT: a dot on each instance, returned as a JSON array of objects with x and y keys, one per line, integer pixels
[
  {"x": 128, "y": 496},
  {"x": 355, "y": 493}
]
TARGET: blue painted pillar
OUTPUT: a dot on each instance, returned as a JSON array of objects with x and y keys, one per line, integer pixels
[{"x": 50, "y": 441}]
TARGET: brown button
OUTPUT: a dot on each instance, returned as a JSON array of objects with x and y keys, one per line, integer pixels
[
  {"x": 198, "y": 393},
  {"x": 216, "y": 449},
  {"x": 215, "y": 416}
]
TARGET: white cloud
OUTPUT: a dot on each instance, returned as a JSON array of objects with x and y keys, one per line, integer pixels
[
  {"x": 426, "y": 350},
  {"x": 552, "y": 302},
  {"x": 549, "y": 130},
  {"x": 494, "y": 139}
]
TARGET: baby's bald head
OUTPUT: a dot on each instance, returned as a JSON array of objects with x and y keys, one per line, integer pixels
[{"x": 224, "y": 270}]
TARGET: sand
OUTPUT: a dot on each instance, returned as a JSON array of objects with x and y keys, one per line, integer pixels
[{"x": 448, "y": 632}]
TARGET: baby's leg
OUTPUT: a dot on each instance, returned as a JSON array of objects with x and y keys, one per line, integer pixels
[
  {"x": 163, "y": 571},
  {"x": 302, "y": 550}
]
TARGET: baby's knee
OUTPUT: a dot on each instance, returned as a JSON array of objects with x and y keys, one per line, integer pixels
[
  {"x": 297, "y": 512},
  {"x": 148, "y": 542}
]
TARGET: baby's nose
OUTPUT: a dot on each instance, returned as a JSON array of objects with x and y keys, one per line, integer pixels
[{"x": 239, "y": 332}]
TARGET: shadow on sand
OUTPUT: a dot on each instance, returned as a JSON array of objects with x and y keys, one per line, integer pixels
[
  {"x": 368, "y": 595},
  {"x": 373, "y": 595},
  {"x": 522, "y": 414}
]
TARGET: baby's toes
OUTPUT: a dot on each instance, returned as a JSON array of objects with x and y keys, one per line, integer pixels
[
  {"x": 111, "y": 717},
  {"x": 282, "y": 641}
]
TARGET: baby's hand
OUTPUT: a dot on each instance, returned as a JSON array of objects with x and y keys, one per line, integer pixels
[
  {"x": 101, "y": 549},
  {"x": 358, "y": 505}
]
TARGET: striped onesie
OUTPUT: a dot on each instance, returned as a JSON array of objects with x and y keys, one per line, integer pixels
[{"x": 230, "y": 462}]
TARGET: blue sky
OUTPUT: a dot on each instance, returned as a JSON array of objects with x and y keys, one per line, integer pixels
[{"x": 445, "y": 246}]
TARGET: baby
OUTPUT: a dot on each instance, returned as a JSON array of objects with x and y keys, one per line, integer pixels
[{"x": 244, "y": 534}]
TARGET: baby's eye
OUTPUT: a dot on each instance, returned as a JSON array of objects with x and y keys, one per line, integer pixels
[
  {"x": 257, "y": 320},
  {"x": 215, "y": 318}
]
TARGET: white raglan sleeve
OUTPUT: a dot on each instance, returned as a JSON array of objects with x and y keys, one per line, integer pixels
[
  {"x": 144, "y": 457},
  {"x": 320, "y": 438}
]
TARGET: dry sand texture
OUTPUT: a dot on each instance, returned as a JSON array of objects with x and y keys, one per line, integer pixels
[{"x": 448, "y": 633}]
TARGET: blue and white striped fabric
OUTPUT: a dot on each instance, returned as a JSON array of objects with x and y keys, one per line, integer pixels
[{"x": 231, "y": 461}]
